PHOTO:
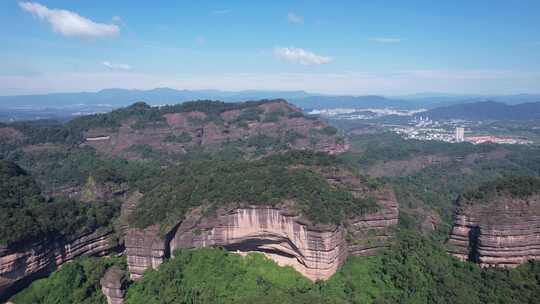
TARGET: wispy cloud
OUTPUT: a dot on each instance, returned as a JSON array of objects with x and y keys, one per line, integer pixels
[
  {"x": 220, "y": 12},
  {"x": 300, "y": 56},
  {"x": 116, "y": 66},
  {"x": 294, "y": 18},
  {"x": 117, "y": 20},
  {"x": 200, "y": 40},
  {"x": 386, "y": 40},
  {"x": 69, "y": 23}
]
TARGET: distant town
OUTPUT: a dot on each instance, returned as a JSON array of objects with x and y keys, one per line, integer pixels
[
  {"x": 450, "y": 131},
  {"x": 411, "y": 124}
]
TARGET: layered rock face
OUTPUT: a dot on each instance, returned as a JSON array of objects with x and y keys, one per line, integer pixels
[
  {"x": 19, "y": 264},
  {"x": 144, "y": 249},
  {"x": 504, "y": 232},
  {"x": 373, "y": 231},
  {"x": 316, "y": 251},
  {"x": 113, "y": 285}
]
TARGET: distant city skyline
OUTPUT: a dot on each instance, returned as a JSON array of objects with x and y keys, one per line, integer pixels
[{"x": 340, "y": 47}]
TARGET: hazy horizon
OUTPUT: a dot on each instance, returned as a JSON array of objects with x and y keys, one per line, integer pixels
[
  {"x": 343, "y": 47},
  {"x": 311, "y": 93}
]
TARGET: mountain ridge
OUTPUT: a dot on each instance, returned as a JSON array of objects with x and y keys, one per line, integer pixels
[{"x": 487, "y": 110}]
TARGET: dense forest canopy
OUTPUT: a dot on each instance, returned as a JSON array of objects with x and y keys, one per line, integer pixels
[
  {"x": 510, "y": 187},
  {"x": 270, "y": 181},
  {"x": 26, "y": 216}
]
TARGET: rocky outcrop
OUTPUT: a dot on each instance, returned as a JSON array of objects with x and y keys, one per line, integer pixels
[
  {"x": 145, "y": 249},
  {"x": 268, "y": 125},
  {"x": 503, "y": 232},
  {"x": 20, "y": 265},
  {"x": 316, "y": 251},
  {"x": 10, "y": 135},
  {"x": 113, "y": 285},
  {"x": 373, "y": 231}
]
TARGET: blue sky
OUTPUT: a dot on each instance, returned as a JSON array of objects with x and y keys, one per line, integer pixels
[{"x": 339, "y": 47}]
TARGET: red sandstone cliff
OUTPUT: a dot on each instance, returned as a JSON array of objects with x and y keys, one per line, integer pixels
[
  {"x": 503, "y": 232},
  {"x": 43, "y": 257},
  {"x": 316, "y": 251}
]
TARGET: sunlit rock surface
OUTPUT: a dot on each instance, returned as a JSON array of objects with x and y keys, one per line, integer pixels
[
  {"x": 504, "y": 232},
  {"x": 316, "y": 251}
]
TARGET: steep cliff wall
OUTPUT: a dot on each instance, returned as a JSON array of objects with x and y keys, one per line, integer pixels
[
  {"x": 504, "y": 232},
  {"x": 316, "y": 251},
  {"x": 18, "y": 265},
  {"x": 144, "y": 249}
]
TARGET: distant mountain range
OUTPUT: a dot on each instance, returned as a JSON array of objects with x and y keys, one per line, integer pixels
[
  {"x": 58, "y": 105},
  {"x": 368, "y": 101},
  {"x": 488, "y": 110},
  {"x": 123, "y": 97}
]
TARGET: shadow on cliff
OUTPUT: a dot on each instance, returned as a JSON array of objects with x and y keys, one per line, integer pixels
[
  {"x": 474, "y": 234},
  {"x": 262, "y": 245}
]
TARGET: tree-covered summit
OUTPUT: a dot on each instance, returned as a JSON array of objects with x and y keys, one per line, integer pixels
[
  {"x": 296, "y": 177},
  {"x": 26, "y": 216},
  {"x": 511, "y": 187},
  {"x": 145, "y": 113}
]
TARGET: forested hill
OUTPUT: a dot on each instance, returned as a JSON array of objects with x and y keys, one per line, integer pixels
[
  {"x": 487, "y": 110},
  {"x": 143, "y": 131},
  {"x": 510, "y": 187},
  {"x": 25, "y": 215}
]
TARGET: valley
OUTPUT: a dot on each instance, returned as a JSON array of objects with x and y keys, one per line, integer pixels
[{"x": 150, "y": 186}]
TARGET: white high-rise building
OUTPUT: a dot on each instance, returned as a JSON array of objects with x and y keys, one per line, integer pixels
[{"x": 460, "y": 134}]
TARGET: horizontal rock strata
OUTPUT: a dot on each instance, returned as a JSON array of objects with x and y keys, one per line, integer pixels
[
  {"x": 18, "y": 264},
  {"x": 373, "y": 231},
  {"x": 144, "y": 249},
  {"x": 502, "y": 233},
  {"x": 316, "y": 251}
]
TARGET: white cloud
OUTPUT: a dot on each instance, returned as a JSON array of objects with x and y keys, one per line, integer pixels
[
  {"x": 68, "y": 23},
  {"x": 296, "y": 19},
  {"x": 300, "y": 56},
  {"x": 386, "y": 40},
  {"x": 116, "y": 66}
]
